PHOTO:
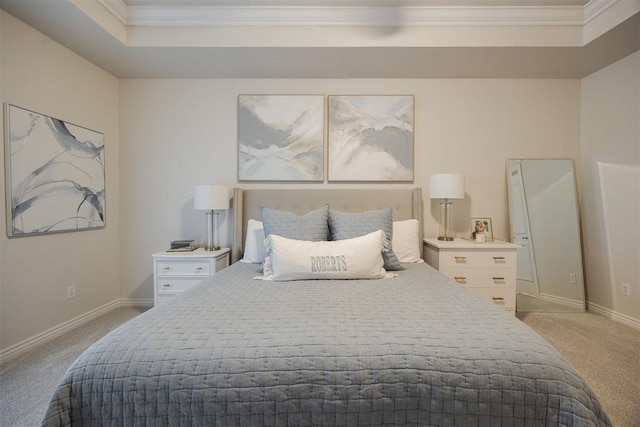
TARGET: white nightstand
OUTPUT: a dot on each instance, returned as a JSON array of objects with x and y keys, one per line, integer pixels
[
  {"x": 488, "y": 269},
  {"x": 175, "y": 272}
]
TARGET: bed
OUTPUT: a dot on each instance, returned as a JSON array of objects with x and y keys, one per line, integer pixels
[{"x": 414, "y": 349}]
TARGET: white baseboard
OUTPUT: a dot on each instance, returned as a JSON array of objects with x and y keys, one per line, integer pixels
[
  {"x": 43, "y": 337},
  {"x": 140, "y": 302},
  {"x": 614, "y": 315},
  {"x": 561, "y": 300}
]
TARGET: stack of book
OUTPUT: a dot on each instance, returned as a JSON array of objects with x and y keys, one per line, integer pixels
[{"x": 183, "y": 246}]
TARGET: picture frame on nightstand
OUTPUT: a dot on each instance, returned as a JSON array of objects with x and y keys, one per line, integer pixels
[{"x": 481, "y": 230}]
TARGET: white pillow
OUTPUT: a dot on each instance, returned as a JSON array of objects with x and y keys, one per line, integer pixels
[
  {"x": 254, "y": 243},
  {"x": 405, "y": 240},
  {"x": 356, "y": 258}
]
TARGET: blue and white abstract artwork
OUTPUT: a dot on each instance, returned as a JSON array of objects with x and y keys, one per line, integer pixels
[
  {"x": 371, "y": 138},
  {"x": 55, "y": 175},
  {"x": 280, "y": 137}
]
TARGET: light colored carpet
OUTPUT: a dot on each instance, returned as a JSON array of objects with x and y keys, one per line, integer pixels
[
  {"x": 605, "y": 352},
  {"x": 27, "y": 382}
]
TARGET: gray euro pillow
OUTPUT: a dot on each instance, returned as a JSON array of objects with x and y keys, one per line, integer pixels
[
  {"x": 346, "y": 225},
  {"x": 312, "y": 226}
]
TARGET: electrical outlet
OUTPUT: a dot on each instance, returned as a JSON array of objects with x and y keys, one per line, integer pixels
[
  {"x": 572, "y": 278},
  {"x": 71, "y": 292},
  {"x": 625, "y": 289}
]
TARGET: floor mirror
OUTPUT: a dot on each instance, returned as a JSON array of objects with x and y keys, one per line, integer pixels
[{"x": 545, "y": 222}]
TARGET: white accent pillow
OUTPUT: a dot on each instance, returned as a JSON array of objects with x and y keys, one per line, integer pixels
[
  {"x": 356, "y": 258},
  {"x": 254, "y": 244},
  {"x": 405, "y": 240}
]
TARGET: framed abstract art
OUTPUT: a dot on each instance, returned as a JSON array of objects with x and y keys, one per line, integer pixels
[
  {"x": 370, "y": 138},
  {"x": 280, "y": 138},
  {"x": 55, "y": 174}
]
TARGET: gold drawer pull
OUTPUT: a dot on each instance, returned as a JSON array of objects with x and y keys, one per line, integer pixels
[
  {"x": 498, "y": 278},
  {"x": 460, "y": 278},
  {"x": 497, "y": 300},
  {"x": 460, "y": 258},
  {"x": 498, "y": 258}
]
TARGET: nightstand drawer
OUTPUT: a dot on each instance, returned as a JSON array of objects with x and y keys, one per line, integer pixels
[
  {"x": 175, "y": 272},
  {"x": 487, "y": 269},
  {"x": 478, "y": 258},
  {"x": 482, "y": 277},
  {"x": 184, "y": 268},
  {"x": 173, "y": 286},
  {"x": 503, "y": 297}
]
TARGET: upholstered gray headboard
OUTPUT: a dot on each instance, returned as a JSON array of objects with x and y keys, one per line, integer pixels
[{"x": 406, "y": 204}]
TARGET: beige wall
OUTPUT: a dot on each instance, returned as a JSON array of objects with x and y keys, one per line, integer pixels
[
  {"x": 179, "y": 133},
  {"x": 610, "y": 155},
  {"x": 41, "y": 75}
]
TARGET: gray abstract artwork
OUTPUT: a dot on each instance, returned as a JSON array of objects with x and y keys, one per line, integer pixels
[
  {"x": 280, "y": 137},
  {"x": 371, "y": 138},
  {"x": 55, "y": 174}
]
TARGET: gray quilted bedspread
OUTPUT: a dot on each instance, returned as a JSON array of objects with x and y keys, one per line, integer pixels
[{"x": 417, "y": 349}]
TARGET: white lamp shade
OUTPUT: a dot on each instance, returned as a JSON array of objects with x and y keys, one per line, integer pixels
[
  {"x": 446, "y": 186},
  {"x": 211, "y": 197}
]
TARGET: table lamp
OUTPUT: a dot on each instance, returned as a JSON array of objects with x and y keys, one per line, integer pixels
[
  {"x": 211, "y": 198},
  {"x": 446, "y": 186}
]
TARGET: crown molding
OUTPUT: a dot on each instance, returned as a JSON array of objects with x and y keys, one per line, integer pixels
[
  {"x": 378, "y": 16},
  {"x": 354, "y": 16},
  {"x": 118, "y": 8},
  {"x": 596, "y": 7}
]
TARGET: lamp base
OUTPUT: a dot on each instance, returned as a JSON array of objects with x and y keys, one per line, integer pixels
[
  {"x": 445, "y": 233},
  {"x": 212, "y": 226}
]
